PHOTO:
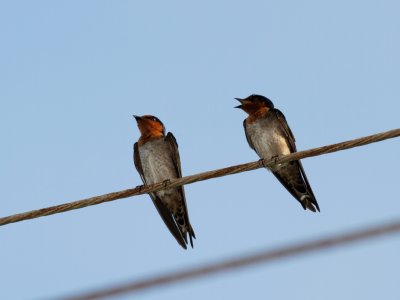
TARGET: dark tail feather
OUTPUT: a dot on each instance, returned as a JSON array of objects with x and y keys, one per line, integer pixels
[
  {"x": 310, "y": 206},
  {"x": 293, "y": 178},
  {"x": 170, "y": 222},
  {"x": 191, "y": 235},
  {"x": 309, "y": 203},
  {"x": 185, "y": 230}
]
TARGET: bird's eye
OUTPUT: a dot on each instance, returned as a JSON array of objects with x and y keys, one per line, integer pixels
[{"x": 154, "y": 119}]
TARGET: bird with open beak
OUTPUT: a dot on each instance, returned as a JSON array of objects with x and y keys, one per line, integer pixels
[
  {"x": 156, "y": 158},
  {"x": 269, "y": 135}
]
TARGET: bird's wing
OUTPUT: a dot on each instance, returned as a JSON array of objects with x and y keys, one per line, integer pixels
[
  {"x": 161, "y": 208},
  {"x": 292, "y": 145},
  {"x": 170, "y": 138},
  {"x": 247, "y": 136},
  {"x": 285, "y": 127},
  {"x": 138, "y": 163}
]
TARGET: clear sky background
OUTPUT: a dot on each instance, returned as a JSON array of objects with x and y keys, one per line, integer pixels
[{"x": 72, "y": 73}]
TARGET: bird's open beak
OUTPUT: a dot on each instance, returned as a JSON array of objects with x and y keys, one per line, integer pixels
[
  {"x": 137, "y": 117},
  {"x": 240, "y": 100}
]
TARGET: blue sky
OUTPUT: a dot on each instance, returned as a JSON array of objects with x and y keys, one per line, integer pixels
[{"x": 72, "y": 73}]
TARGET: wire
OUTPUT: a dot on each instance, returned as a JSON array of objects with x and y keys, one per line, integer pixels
[
  {"x": 198, "y": 177},
  {"x": 265, "y": 256}
]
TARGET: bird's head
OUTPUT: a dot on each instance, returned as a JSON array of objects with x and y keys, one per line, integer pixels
[
  {"x": 150, "y": 126},
  {"x": 254, "y": 103}
]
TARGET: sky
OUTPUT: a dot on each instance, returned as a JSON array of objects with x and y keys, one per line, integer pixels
[{"x": 72, "y": 74}]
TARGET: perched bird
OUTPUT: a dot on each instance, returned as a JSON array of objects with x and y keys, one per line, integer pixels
[
  {"x": 157, "y": 159},
  {"x": 268, "y": 134}
]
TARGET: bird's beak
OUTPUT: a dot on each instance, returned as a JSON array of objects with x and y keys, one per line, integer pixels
[
  {"x": 240, "y": 100},
  {"x": 137, "y": 118}
]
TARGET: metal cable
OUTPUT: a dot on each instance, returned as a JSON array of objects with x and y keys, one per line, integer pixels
[
  {"x": 265, "y": 256},
  {"x": 198, "y": 177}
]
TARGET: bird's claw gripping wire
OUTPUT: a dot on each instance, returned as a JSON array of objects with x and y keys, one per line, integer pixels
[
  {"x": 262, "y": 162},
  {"x": 275, "y": 158},
  {"x": 166, "y": 182},
  {"x": 139, "y": 187}
]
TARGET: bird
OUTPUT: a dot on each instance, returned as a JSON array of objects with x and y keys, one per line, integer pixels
[
  {"x": 156, "y": 159},
  {"x": 269, "y": 135}
]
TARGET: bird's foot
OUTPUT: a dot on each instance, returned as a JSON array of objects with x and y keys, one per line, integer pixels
[
  {"x": 139, "y": 188},
  {"x": 275, "y": 158},
  {"x": 262, "y": 162},
  {"x": 166, "y": 182}
]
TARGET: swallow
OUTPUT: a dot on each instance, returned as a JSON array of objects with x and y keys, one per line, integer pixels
[
  {"x": 156, "y": 158},
  {"x": 269, "y": 135}
]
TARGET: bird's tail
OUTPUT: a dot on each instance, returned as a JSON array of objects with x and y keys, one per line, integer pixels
[
  {"x": 294, "y": 179},
  {"x": 191, "y": 235},
  {"x": 308, "y": 202}
]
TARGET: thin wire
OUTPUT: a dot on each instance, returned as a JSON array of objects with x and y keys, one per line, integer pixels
[
  {"x": 265, "y": 256},
  {"x": 198, "y": 177}
]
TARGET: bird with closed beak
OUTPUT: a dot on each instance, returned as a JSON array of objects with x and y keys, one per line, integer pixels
[
  {"x": 156, "y": 158},
  {"x": 269, "y": 135}
]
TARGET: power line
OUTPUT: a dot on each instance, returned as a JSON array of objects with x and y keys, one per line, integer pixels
[
  {"x": 265, "y": 256},
  {"x": 198, "y": 177}
]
